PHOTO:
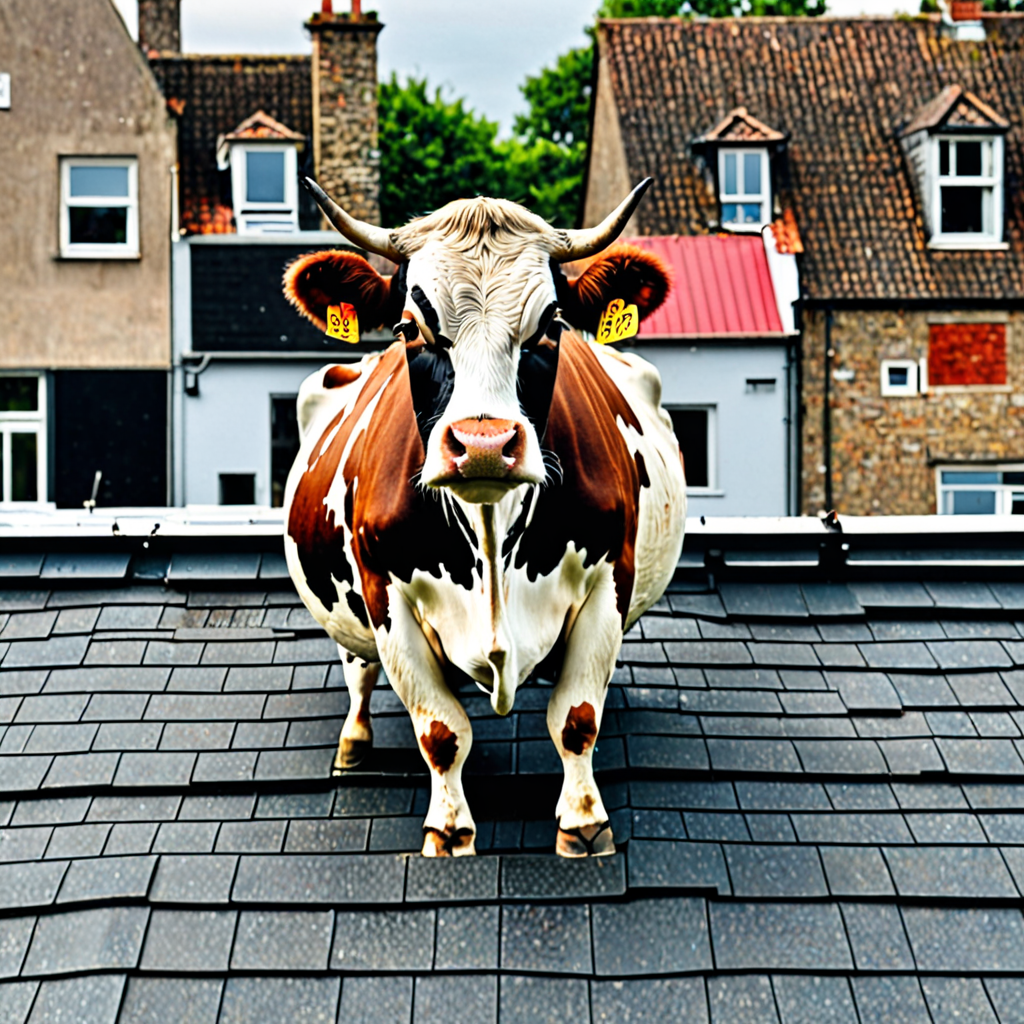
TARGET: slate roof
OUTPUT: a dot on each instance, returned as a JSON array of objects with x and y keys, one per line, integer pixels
[
  {"x": 211, "y": 95},
  {"x": 841, "y": 90},
  {"x": 813, "y": 755}
]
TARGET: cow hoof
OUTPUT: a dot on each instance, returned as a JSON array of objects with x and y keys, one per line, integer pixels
[
  {"x": 460, "y": 843},
  {"x": 351, "y": 754},
  {"x": 587, "y": 841}
]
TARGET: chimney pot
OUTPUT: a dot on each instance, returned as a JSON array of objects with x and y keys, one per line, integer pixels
[
  {"x": 327, "y": 7},
  {"x": 357, "y": 10}
]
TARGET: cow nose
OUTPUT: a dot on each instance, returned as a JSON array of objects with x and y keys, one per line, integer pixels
[{"x": 483, "y": 448}]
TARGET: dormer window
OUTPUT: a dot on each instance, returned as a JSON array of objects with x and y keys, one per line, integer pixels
[
  {"x": 263, "y": 156},
  {"x": 743, "y": 180},
  {"x": 968, "y": 188},
  {"x": 955, "y": 147},
  {"x": 738, "y": 150}
]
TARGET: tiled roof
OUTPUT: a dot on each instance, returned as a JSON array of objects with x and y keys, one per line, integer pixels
[
  {"x": 841, "y": 90},
  {"x": 953, "y": 107},
  {"x": 212, "y": 95},
  {"x": 262, "y": 126},
  {"x": 739, "y": 126},
  {"x": 816, "y": 778}
]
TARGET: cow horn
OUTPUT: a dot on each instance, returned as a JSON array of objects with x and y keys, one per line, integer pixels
[
  {"x": 586, "y": 242},
  {"x": 366, "y": 236}
]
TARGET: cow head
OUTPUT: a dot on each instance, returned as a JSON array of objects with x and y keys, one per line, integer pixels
[{"x": 478, "y": 299}]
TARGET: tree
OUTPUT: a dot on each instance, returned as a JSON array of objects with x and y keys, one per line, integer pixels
[{"x": 432, "y": 151}]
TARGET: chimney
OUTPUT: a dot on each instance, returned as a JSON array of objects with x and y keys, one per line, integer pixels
[
  {"x": 160, "y": 26},
  {"x": 347, "y": 160}
]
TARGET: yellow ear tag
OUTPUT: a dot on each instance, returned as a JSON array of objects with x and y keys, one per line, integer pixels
[
  {"x": 342, "y": 323},
  {"x": 618, "y": 322}
]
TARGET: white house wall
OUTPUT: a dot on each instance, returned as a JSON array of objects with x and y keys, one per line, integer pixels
[{"x": 750, "y": 428}]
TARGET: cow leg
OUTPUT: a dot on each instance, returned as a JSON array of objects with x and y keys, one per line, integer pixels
[
  {"x": 574, "y": 719},
  {"x": 442, "y": 731},
  {"x": 356, "y": 739}
]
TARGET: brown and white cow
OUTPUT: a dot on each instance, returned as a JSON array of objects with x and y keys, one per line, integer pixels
[{"x": 488, "y": 490}]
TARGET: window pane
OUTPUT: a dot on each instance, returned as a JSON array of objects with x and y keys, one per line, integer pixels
[
  {"x": 729, "y": 188},
  {"x": 264, "y": 177},
  {"x": 968, "y": 158},
  {"x": 898, "y": 376},
  {"x": 284, "y": 444},
  {"x": 691, "y": 429},
  {"x": 974, "y": 503},
  {"x": 730, "y": 213},
  {"x": 752, "y": 173},
  {"x": 98, "y": 225},
  {"x": 957, "y": 477},
  {"x": 1017, "y": 508},
  {"x": 943, "y": 157},
  {"x": 961, "y": 209},
  {"x": 99, "y": 181},
  {"x": 237, "y": 488},
  {"x": 1013, "y": 478},
  {"x": 24, "y": 485},
  {"x": 751, "y": 213},
  {"x": 19, "y": 394}
]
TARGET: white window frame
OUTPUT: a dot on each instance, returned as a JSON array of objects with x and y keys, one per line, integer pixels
[
  {"x": 764, "y": 197},
  {"x": 1005, "y": 493},
  {"x": 917, "y": 378},
  {"x": 712, "y": 487},
  {"x": 127, "y": 250},
  {"x": 25, "y": 423},
  {"x": 992, "y": 210},
  {"x": 265, "y": 218}
]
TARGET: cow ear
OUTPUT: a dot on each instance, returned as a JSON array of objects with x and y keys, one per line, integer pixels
[
  {"x": 321, "y": 279},
  {"x": 623, "y": 272}
]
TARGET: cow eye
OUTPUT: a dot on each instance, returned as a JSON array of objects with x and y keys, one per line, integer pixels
[{"x": 543, "y": 325}]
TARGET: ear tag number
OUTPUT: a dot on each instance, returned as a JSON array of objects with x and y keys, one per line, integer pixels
[
  {"x": 618, "y": 322},
  {"x": 342, "y": 323}
]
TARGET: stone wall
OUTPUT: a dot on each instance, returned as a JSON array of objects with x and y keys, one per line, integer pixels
[
  {"x": 160, "y": 26},
  {"x": 345, "y": 111},
  {"x": 885, "y": 449}
]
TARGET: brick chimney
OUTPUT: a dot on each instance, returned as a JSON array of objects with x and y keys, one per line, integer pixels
[
  {"x": 160, "y": 25},
  {"x": 345, "y": 108}
]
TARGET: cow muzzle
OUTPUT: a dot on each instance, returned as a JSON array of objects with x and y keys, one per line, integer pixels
[{"x": 482, "y": 459}]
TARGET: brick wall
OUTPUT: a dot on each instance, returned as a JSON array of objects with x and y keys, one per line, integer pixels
[
  {"x": 345, "y": 96},
  {"x": 884, "y": 450}
]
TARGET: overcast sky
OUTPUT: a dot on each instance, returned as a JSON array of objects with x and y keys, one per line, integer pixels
[{"x": 479, "y": 49}]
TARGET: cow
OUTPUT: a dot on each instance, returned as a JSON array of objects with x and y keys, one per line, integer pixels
[{"x": 488, "y": 492}]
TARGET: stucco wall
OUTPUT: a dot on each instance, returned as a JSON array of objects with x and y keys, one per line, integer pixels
[
  {"x": 79, "y": 87},
  {"x": 749, "y": 427},
  {"x": 885, "y": 449}
]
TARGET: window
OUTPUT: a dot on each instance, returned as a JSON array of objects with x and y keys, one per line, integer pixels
[
  {"x": 264, "y": 188},
  {"x": 968, "y": 184},
  {"x": 22, "y": 438},
  {"x": 99, "y": 216},
  {"x": 694, "y": 429},
  {"x": 744, "y": 188},
  {"x": 971, "y": 355},
  {"x": 988, "y": 491},
  {"x": 238, "y": 488},
  {"x": 284, "y": 444},
  {"x": 901, "y": 378}
]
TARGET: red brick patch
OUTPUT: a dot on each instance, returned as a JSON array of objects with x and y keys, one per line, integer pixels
[{"x": 965, "y": 354}]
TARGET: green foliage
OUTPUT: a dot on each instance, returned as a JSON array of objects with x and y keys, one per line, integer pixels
[{"x": 432, "y": 151}]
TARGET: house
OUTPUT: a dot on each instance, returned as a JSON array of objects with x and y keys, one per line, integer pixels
[
  {"x": 811, "y": 753},
  {"x": 88, "y": 152},
  {"x": 893, "y": 149},
  {"x": 248, "y": 126},
  {"x": 725, "y": 344}
]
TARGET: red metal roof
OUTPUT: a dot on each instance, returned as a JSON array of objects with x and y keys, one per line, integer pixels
[{"x": 722, "y": 287}]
